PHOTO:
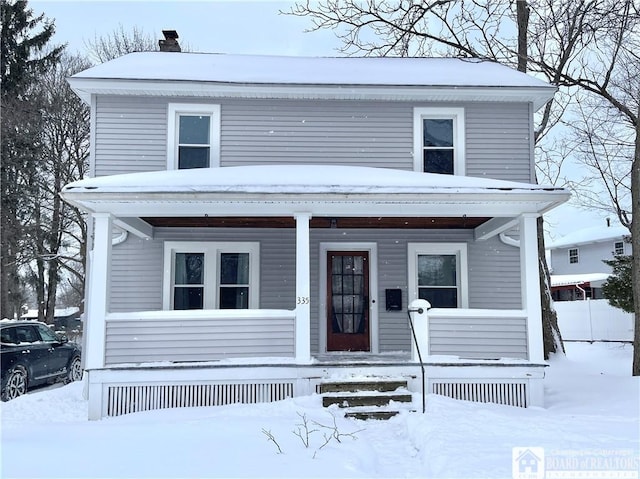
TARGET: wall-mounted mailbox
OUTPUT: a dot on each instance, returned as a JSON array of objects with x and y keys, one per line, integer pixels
[{"x": 394, "y": 299}]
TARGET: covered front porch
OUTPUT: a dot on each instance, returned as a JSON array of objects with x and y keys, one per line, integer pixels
[{"x": 291, "y": 345}]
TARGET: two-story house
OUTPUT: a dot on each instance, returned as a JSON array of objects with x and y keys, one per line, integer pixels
[
  {"x": 576, "y": 261},
  {"x": 265, "y": 224}
]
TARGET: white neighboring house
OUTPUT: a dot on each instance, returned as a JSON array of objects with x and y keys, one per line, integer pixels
[
  {"x": 577, "y": 275},
  {"x": 283, "y": 216},
  {"x": 576, "y": 261}
]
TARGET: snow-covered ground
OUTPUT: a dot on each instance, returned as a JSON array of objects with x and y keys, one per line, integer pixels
[{"x": 590, "y": 423}]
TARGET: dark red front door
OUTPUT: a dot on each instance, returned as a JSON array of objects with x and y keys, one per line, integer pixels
[{"x": 348, "y": 301}]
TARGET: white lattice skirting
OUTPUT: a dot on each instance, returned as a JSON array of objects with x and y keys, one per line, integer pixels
[
  {"x": 122, "y": 391},
  {"x": 124, "y": 399}
]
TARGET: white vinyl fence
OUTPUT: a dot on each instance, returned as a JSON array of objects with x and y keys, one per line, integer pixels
[{"x": 593, "y": 320}]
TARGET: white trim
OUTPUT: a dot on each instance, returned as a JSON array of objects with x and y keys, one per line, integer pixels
[
  {"x": 174, "y": 110},
  {"x": 615, "y": 250},
  {"x": 211, "y": 250},
  {"x": 98, "y": 295},
  {"x": 530, "y": 281},
  {"x": 458, "y": 249},
  {"x": 577, "y": 255},
  {"x": 84, "y": 87},
  {"x": 459, "y": 140},
  {"x": 372, "y": 248},
  {"x": 303, "y": 289}
]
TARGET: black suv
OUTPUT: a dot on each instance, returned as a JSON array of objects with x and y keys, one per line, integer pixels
[{"x": 32, "y": 354}]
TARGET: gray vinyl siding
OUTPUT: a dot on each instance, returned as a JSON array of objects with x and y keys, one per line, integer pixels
[
  {"x": 489, "y": 338},
  {"x": 494, "y": 274},
  {"x": 197, "y": 339},
  {"x": 131, "y": 134},
  {"x": 590, "y": 257}
]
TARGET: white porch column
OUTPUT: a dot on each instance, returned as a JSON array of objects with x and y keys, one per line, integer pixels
[
  {"x": 530, "y": 281},
  {"x": 303, "y": 289},
  {"x": 420, "y": 320},
  {"x": 98, "y": 297}
]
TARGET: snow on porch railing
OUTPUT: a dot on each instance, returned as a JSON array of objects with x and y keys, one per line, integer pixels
[{"x": 202, "y": 335}]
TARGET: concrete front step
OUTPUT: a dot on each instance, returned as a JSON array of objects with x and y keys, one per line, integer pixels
[
  {"x": 366, "y": 415},
  {"x": 364, "y": 399},
  {"x": 382, "y": 385}
]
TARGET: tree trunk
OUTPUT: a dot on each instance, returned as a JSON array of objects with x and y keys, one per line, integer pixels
[
  {"x": 635, "y": 246},
  {"x": 551, "y": 337}
]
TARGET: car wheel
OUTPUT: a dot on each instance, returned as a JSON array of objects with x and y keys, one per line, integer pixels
[
  {"x": 74, "y": 372},
  {"x": 16, "y": 384}
]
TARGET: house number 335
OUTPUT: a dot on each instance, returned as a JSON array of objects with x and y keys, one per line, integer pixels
[{"x": 303, "y": 299}]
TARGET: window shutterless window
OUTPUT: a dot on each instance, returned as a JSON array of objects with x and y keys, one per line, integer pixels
[
  {"x": 438, "y": 273},
  {"x": 211, "y": 275},
  {"x": 618, "y": 248},
  {"x": 439, "y": 140},
  {"x": 573, "y": 256},
  {"x": 193, "y": 139}
]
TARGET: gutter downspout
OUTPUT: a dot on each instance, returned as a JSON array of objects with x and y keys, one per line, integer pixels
[
  {"x": 508, "y": 240},
  {"x": 121, "y": 238}
]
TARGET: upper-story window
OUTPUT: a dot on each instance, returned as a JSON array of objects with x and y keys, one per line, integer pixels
[
  {"x": 439, "y": 140},
  {"x": 618, "y": 248},
  {"x": 573, "y": 256},
  {"x": 193, "y": 136}
]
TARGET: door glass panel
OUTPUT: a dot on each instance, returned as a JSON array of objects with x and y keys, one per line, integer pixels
[{"x": 348, "y": 291}]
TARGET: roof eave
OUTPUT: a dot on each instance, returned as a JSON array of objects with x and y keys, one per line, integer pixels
[
  {"x": 85, "y": 87},
  {"x": 492, "y": 203}
]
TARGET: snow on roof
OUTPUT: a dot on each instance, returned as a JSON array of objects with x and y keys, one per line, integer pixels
[
  {"x": 259, "y": 69},
  {"x": 590, "y": 235},
  {"x": 295, "y": 179},
  {"x": 571, "y": 279}
]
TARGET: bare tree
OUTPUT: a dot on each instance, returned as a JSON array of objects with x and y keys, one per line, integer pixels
[
  {"x": 580, "y": 46},
  {"x": 120, "y": 42},
  {"x": 60, "y": 230}
]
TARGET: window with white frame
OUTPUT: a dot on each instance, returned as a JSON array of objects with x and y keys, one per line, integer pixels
[
  {"x": 573, "y": 256},
  {"x": 193, "y": 139},
  {"x": 217, "y": 275},
  {"x": 439, "y": 140},
  {"x": 618, "y": 248},
  {"x": 438, "y": 273}
]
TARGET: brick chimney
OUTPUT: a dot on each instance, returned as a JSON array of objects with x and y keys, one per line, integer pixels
[{"x": 170, "y": 42}]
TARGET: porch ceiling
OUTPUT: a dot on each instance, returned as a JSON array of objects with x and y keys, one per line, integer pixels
[{"x": 318, "y": 222}]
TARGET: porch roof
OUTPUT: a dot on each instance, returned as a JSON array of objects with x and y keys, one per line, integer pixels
[{"x": 319, "y": 190}]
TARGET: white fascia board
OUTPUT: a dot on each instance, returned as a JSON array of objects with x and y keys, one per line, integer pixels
[
  {"x": 366, "y": 205},
  {"x": 84, "y": 87}
]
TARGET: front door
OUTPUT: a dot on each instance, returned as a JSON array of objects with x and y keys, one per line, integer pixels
[{"x": 348, "y": 301}]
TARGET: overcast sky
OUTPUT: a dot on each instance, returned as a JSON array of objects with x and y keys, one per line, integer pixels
[{"x": 250, "y": 27}]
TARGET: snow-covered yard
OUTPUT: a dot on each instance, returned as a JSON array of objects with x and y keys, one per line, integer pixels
[{"x": 590, "y": 423}]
